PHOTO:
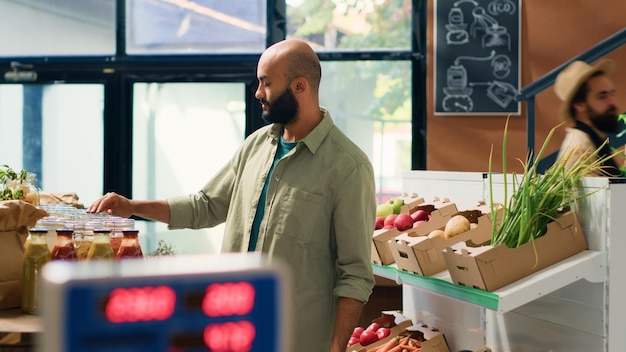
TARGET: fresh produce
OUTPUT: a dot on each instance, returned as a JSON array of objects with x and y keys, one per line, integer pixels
[
  {"x": 396, "y": 203},
  {"x": 368, "y": 337},
  {"x": 390, "y": 219},
  {"x": 436, "y": 233},
  {"x": 537, "y": 199},
  {"x": 16, "y": 186},
  {"x": 456, "y": 226},
  {"x": 373, "y": 333},
  {"x": 403, "y": 222},
  {"x": 384, "y": 209},
  {"x": 420, "y": 214},
  {"x": 399, "y": 344},
  {"x": 380, "y": 222}
]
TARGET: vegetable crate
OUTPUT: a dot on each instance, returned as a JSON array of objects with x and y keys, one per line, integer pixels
[
  {"x": 431, "y": 340},
  {"x": 380, "y": 253},
  {"x": 489, "y": 268},
  {"x": 416, "y": 252}
]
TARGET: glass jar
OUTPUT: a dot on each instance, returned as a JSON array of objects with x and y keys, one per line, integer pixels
[
  {"x": 118, "y": 226},
  {"x": 129, "y": 248},
  {"x": 64, "y": 247},
  {"x": 51, "y": 223},
  {"x": 28, "y": 186},
  {"x": 101, "y": 245},
  {"x": 84, "y": 239},
  {"x": 35, "y": 257}
]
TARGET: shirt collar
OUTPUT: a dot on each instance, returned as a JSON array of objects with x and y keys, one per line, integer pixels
[{"x": 315, "y": 137}]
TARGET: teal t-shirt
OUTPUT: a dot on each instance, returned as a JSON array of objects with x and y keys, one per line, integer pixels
[{"x": 283, "y": 149}]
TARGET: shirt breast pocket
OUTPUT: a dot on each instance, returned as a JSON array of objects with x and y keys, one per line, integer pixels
[{"x": 300, "y": 215}]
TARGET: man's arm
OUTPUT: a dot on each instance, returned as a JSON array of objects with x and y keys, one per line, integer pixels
[
  {"x": 117, "y": 205},
  {"x": 348, "y": 314}
]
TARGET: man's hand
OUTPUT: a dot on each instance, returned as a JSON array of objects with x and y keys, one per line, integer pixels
[
  {"x": 113, "y": 204},
  {"x": 348, "y": 314}
]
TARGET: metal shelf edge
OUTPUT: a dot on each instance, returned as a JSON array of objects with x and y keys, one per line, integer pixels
[{"x": 589, "y": 265}]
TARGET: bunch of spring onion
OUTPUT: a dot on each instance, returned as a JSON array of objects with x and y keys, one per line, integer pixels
[{"x": 538, "y": 199}]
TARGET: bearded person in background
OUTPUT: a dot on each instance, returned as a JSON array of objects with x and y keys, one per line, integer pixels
[{"x": 588, "y": 101}]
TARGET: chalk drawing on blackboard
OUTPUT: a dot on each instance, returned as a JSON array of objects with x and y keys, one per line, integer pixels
[
  {"x": 498, "y": 7},
  {"x": 457, "y": 91},
  {"x": 494, "y": 34},
  {"x": 457, "y": 28},
  {"x": 501, "y": 66},
  {"x": 501, "y": 93}
]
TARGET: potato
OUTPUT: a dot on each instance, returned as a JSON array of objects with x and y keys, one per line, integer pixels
[
  {"x": 436, "y": 233},
  {"x": 456, "y": 226}
]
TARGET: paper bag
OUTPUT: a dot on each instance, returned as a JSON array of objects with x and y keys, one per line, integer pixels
[
  {"x": 15, "y": 218},
  {"x": 69, "y": 198}
]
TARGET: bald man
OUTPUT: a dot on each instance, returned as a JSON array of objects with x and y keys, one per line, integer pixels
[{"x": 298, "y": 189}]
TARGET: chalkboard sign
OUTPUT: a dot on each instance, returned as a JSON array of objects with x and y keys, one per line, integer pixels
[{"x": 477, "y": 57}]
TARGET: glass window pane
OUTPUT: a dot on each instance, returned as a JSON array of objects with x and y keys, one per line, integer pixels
[
  {"x": 57, "y": 28},
  {"x": 183, "y": 134},
  {"x": 55, "y": 131},
  {"x": 351, "y": 25},
  {"x": 375, "y": 114},
  {"x": 195, "y": 27}
]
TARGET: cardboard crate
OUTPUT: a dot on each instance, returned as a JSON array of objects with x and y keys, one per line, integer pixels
[
  {"x": 490, "y": 268},
  {"x": 432, "y": 340},
  {"x": 399, "y": 328},
  {"x": 380, "y": 253},
  {"x": 415, "y": 252}
]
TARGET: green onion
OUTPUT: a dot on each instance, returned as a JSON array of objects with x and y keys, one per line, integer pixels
[{"x": 538, "y": 199}]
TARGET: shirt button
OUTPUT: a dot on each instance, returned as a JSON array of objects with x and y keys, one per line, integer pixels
[{"x": 276, "y": 178}]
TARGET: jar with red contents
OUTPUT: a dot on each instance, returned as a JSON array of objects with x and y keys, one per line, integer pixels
[
  {"x": 129, "y": 247},
  {"x": 64, "y": 247}
]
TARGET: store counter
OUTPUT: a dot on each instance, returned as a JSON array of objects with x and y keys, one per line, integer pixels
[{"x": 18, "y": 330}]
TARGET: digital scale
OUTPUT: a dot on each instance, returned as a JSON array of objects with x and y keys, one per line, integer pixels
[{"x": 228, "y": 302}]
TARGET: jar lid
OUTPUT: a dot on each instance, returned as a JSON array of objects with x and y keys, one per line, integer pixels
[
  {"x": 101, "y": 230},
  {"x": 38, "y": 230}
]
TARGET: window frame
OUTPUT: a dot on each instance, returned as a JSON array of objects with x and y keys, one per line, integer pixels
[{"x": 118, "y": 74}]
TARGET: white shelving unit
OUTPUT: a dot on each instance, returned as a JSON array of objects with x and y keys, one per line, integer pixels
[{"x": 575, "y": 305}]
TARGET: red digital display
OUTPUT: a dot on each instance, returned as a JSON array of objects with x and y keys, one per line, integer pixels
[
  {"x": 127, "y": 305},
  {"x": 230, "y": 336},
  {"x": 227, "y": 299}
]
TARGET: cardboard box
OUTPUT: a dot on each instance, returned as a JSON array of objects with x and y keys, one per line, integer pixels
[
  {"x": 432, "y": 340},
  {"x": 490, "y": 268},
  {"x": 381, "y": 254},
  {"x": 399, "y": 328},
  {"x": 415, "y": 252}
]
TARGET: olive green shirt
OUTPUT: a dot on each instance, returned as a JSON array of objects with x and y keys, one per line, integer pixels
[{"x": 319, "y": 219}]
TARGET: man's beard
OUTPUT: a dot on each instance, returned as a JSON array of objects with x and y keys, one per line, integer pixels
[
  {"x": 606, "y": 122},
  {"x": 283, "y": 109}
]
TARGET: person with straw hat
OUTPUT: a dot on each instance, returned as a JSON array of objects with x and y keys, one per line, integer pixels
[{"x": 588, "y": 101}]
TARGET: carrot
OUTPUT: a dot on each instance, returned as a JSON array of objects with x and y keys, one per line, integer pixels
[
  {"x": 388, "y": 345},
  {"x": 396, "y": 349}
]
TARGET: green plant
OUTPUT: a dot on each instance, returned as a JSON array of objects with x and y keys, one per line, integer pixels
[
  {"x": 8, "y": 175},
  {"x": 162, "y": 249},
  {"x": 537, "y": 199}
]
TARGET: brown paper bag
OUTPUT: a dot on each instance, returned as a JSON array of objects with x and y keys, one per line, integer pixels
[
  {"x": 69, "y": 198},
  {"x": 15, "y": 218}
]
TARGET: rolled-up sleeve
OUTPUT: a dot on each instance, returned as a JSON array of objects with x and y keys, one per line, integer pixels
[{"x": 354, "y": 220}]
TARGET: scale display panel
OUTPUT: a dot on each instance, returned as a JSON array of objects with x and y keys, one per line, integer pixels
[{"x": 232, "y": 302}]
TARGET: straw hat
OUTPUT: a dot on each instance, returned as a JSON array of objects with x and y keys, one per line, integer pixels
[{"x": 572, "y": 77}]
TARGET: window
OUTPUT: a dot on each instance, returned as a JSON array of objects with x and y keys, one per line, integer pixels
[
  {"x": 369, "y": 102},
  {"x": 183, "y": 133},
  {"x": 195, "y": 27},
  {"x": 56, "y": 132},
  {"x": 34, "y": 28}
]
